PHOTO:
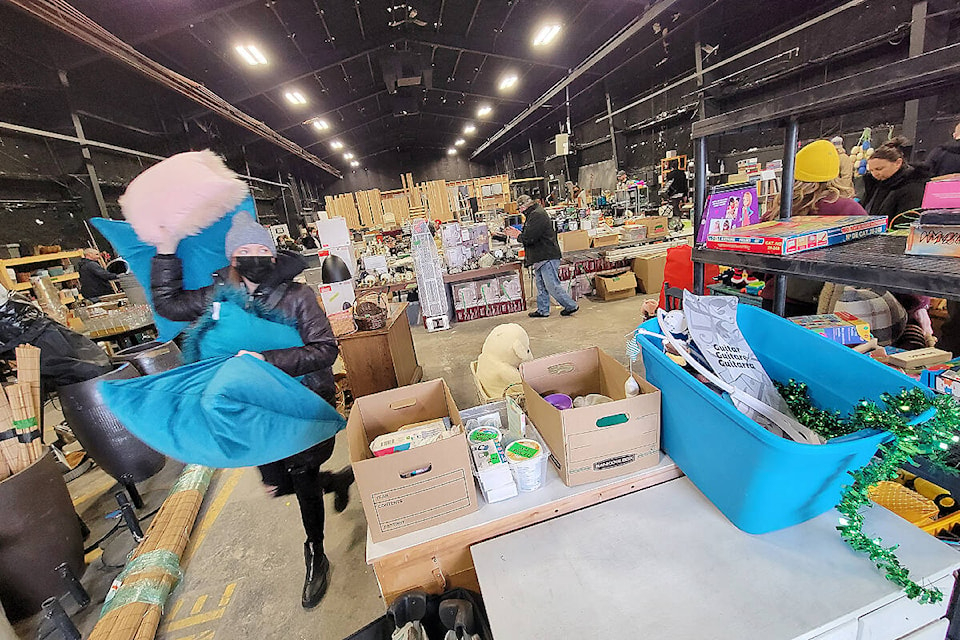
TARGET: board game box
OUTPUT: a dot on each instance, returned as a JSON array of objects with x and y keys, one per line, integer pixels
[
  {"x": 786, "y": 237},
  {"x": 841, "y": 327}
]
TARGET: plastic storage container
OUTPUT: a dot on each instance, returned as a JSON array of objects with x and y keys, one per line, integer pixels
[{"x": 759, "y": 481}]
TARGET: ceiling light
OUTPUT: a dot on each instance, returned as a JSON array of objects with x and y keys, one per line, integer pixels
[
  {"x": 348, "y": 156},
  {"x": 508, "y": 82},
  {"x": 451, "y": 151},
  {"x": 251, "y": 55},
  {"x": 320, "y": 125},
  {"x": 336, "y": 145},
  {"x": 295, "y": 97},
  {"x": 469, "y": 129},
  {"x": 355, "y": 163},
  {"x": 484, "y": 111},
  {"x": 546, "y": 34},
  {"x": 460, "y": 141}
]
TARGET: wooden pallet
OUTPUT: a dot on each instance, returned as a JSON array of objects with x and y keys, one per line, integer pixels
[
  {"x": 371, "y": 208},
  {"x": 344, "y": 206}
]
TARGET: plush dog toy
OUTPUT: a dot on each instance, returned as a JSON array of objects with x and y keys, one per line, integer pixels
[{"x": 498, "y": 366}]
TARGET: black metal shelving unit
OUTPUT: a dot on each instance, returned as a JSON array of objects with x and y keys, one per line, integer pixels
[{"x": 872, "y": 262}]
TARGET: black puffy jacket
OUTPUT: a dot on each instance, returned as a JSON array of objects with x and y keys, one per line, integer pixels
[
  {"x": 900, "y": 192},
  {"x": 539, "y": 236},
  {"x": 945, "y": 159},
  {"x": 319, "y": 351}
]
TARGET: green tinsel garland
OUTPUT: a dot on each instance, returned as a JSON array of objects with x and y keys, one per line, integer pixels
[{"x": 931, "y": 439}]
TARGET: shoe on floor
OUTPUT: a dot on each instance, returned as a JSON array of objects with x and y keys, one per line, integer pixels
[
  {"x": 318, "y": 575},
  {"x": 569, "y": 312},
  {"x": 341, "y": 488},
  {"x": 537, "y": 314}
]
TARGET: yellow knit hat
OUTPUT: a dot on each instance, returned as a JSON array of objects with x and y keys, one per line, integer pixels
[{"x": 817, "y": 162}]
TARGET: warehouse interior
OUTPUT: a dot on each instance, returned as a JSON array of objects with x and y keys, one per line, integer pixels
[{"x": 397, "y": 153}]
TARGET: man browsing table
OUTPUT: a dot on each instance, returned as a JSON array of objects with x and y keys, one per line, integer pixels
[{"x": 539, "y": 240}]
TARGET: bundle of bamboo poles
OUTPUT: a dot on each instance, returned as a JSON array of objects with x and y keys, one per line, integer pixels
[
  {"x": 20, "y": 438},
  {"x": 153, "y": 570}
]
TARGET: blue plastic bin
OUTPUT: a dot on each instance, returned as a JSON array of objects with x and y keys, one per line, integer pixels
[{"x": 762, "y": 482}]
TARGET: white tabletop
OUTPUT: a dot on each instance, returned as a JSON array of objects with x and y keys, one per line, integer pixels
[
  {"x": 552, "y": 491},
  {"x": 664, "y": 563}
]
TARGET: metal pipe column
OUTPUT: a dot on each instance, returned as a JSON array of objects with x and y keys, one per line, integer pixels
[
  {"x": 700, "y": 197},
  {"x": 791, "y": 135}
]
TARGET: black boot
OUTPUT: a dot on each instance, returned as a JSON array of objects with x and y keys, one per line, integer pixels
[
  {"x": 340, "y": 485},
  {"x": 318, "y": 575}
]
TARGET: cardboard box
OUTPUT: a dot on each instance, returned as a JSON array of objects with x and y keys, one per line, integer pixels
[
  {"x": 649, "y": 272},
  {"x": 656, "y": 226},
  {"x": 598, "y": 442},
  {"x": 616, "y": 287},
  {"x": 942, "y": 193},
  {"x": 574, "y": 240},
  {"x": 948, "y": 382},
  {"x": 410, "y": 490},
  {"x": 936, "y": 233},
  {"x": 786, "y": 237},
  {"x": 919, "y": 358},
  {"x": 606, "y": 240}
]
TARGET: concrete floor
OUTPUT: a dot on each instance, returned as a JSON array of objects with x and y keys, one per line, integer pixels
[{"x": 244, "y": 566}]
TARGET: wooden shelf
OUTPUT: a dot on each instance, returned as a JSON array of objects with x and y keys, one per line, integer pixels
[
  {"x": 23, "y": 286},
  {"x": 48, "y": 257}
]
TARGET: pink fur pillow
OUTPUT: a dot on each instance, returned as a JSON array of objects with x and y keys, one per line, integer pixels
[{"x": 181, "y": 196}]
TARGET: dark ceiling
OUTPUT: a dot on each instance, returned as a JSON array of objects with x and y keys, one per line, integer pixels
[{"x": 335, "y": 54}]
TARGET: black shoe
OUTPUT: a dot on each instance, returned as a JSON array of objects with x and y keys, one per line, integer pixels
[
  {"x": 318, "y": 575},
  {"x": 569, "y": 312},
  {"x": 340, "y": 485},
  {"x": 537, "y": 314}
]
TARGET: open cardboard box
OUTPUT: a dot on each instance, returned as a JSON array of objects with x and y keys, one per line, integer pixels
[
  {"x": 617, "y": 287},
  {"x": 418, "y": 488},
  {"x": 598, "y": 442}
]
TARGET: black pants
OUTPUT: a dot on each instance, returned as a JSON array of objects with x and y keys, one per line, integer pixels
[{"x": 300, "y": 474}]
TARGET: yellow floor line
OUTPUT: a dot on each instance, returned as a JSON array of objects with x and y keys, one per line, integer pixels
[
  {"x": 213, "y": 512},
  {"x": 227, "y": 594},
  {"x": 191, "y": 621},
  {"x": 198, "y": 605}
]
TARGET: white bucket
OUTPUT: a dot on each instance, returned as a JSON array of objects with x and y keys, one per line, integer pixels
[{"x": 528, "y": 464}]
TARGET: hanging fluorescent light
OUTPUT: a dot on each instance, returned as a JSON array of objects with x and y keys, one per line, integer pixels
[
  {"x": 295, "y": 97},
  {"x": 460, "y": 142},
  {"x": 508, "y": 82},
  {"x": 469, "y": 129},
  {"x": 251, "y": 55},
  {"x": 320, "y": 125},
  {"x": 348, "y": 156},
  {"x": 484, "y": 111},
  {"x": 451, "y": 151},
  {"x": 546, "y": 34},
  {"x": 336, "y": 145},
  {"x": 355, "y": 163}
]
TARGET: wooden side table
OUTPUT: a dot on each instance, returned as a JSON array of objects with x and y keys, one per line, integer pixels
[{"x": 381, "y": 359}]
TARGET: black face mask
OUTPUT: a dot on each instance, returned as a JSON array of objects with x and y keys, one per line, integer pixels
[{"x": 256, "y": 269}]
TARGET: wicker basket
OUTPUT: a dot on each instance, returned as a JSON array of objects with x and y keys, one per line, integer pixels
[{"x": 370, "y": 315}]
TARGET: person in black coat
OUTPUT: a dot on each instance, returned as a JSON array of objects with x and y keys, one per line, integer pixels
[
  {"x": 542, "y": 251},
  {"x": 94, "y": 279},
  {"x": 892, "y": 186},
  {"x": 265, "y": 277},
  {"x": 945, "y": 159}
]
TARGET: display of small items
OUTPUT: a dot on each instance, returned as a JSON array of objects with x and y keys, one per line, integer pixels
[
  {"x": 571, "y": 219},
  {"x": 741, "y": 280},
  {"x": 466, "y": 247},
  {"x": 487, "y": 298}
]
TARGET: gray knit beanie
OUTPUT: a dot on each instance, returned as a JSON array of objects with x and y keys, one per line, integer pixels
[{"x": 247, "y": 231}]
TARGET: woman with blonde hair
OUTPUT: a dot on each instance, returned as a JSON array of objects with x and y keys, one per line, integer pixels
[{"x": 817, "y": 191}]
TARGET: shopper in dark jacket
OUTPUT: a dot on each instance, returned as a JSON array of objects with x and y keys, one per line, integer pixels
[
  {"x": 539, "y": 240},
  {"x": 891, "y": 185},
  {"x": 945, "y": 159},
  {"x": 264, "y": 277},
  {"x": 94, "y": 279}
]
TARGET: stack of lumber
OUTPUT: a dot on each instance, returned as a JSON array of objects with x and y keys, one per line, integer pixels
[{"x": 20, "y": 441}]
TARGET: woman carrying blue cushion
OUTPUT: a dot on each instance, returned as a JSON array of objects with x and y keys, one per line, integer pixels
[{"x": 254, "y": 309}]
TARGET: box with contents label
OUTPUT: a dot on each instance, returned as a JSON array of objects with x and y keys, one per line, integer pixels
[{"x": 786, "y": 237}]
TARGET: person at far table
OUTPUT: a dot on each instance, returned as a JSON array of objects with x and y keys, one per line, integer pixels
[
  {"x": 945, "y": 159},
  {"x": 817, "y": 191},
  {"x": 539, "y": 240},
  {"x": 892, "y": 185},
  {"x": 94, "y": 279}
]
